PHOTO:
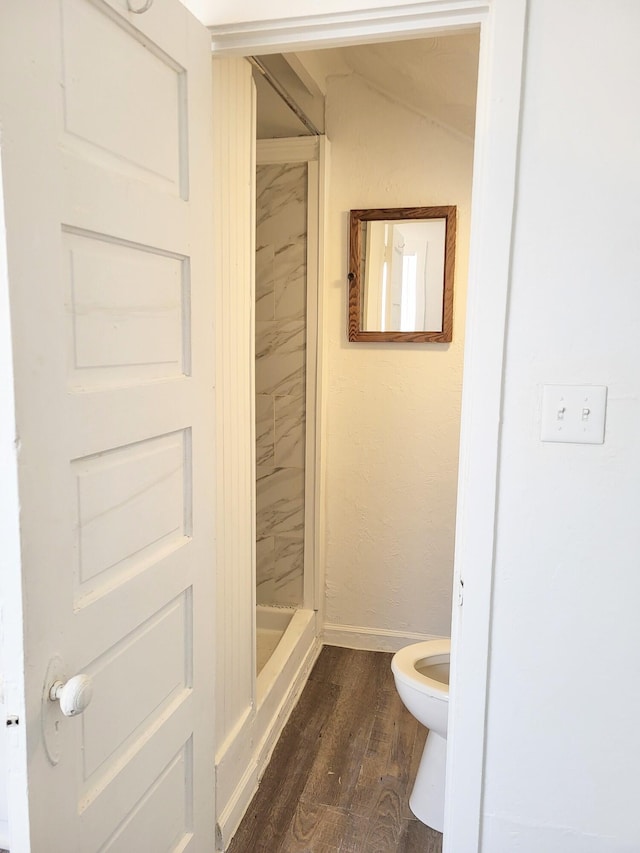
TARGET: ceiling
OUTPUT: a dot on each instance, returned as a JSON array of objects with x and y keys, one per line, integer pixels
[{"x": 436, "y": 77}]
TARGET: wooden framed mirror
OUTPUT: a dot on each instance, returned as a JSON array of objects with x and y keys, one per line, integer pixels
[{"x": 401, "y": 268}]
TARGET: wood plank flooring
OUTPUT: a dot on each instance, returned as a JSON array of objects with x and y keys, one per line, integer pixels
[{"x": 341, "y": 774}]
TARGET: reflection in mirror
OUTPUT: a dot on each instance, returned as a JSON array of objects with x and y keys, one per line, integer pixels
[{"x": 401, "y": 274}]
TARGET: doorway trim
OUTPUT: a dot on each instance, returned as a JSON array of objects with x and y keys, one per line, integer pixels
[
  {"x": 502, "y": 28},
  {"x": 388, "y": 23}
]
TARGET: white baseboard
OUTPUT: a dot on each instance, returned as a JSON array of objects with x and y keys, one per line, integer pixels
[
  {"x": 259, "y": 735},
  {"x": 372, "y": 639}
]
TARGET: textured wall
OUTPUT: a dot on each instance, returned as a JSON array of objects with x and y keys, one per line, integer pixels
[
  {"x": 393, "y": 410},
  {"x": 281, "y": 219}
]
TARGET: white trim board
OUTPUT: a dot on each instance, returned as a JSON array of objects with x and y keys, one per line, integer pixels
[
  {"x": 297, "y": 149},
  {"x": 372, "y": 639},
  {"x": 11, "y": 596},
  {"x": 502, "y": 27},
  {"x": 406, "y": 21},
  {"x": 319, "y": 444}
]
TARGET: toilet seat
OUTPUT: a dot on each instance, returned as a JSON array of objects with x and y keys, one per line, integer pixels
[{"x": 405, "y": 662}]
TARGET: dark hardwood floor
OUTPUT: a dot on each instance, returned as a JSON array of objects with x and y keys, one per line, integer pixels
[{"x": 342, "y": 771}]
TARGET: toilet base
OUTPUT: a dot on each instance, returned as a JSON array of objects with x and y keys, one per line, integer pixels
[{"x": 427, "y": 797}]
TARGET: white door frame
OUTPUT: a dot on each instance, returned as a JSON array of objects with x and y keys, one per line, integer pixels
[
  {"x": 11, "y": 613},
  {"x": 502, "y": 25}
]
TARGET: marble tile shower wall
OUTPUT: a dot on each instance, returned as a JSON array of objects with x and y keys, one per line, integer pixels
[{"x": 281, "y": 249}]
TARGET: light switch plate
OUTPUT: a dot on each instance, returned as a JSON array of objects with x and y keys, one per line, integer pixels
[{"x": 574, "y": 413}]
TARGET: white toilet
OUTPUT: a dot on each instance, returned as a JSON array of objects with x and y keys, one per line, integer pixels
[{"x": 421, "y": 673}]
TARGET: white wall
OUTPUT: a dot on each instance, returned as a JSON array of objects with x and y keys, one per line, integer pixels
[
  {"x": 564, "y": 698},
  {"x": 392, "y": 409}
]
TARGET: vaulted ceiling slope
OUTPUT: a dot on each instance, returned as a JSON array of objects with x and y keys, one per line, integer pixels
[{"x": 436, "y": 77}]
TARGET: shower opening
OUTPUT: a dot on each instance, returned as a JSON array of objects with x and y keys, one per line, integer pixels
[
  {"x": 281, "y": 321},
  {"x": 290, "y": 157},
  {"x": 286, "y": 286}
]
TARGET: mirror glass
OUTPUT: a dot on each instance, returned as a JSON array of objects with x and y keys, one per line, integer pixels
[
  {"x": 401, "y": 274},
  {"x": 403, "y": 283}
]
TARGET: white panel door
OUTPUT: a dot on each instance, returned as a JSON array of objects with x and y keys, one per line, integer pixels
[{"x": 106, "y": 165}]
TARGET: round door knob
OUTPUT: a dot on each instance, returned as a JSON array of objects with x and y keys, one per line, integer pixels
[{"x": 74, "y": 696}]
